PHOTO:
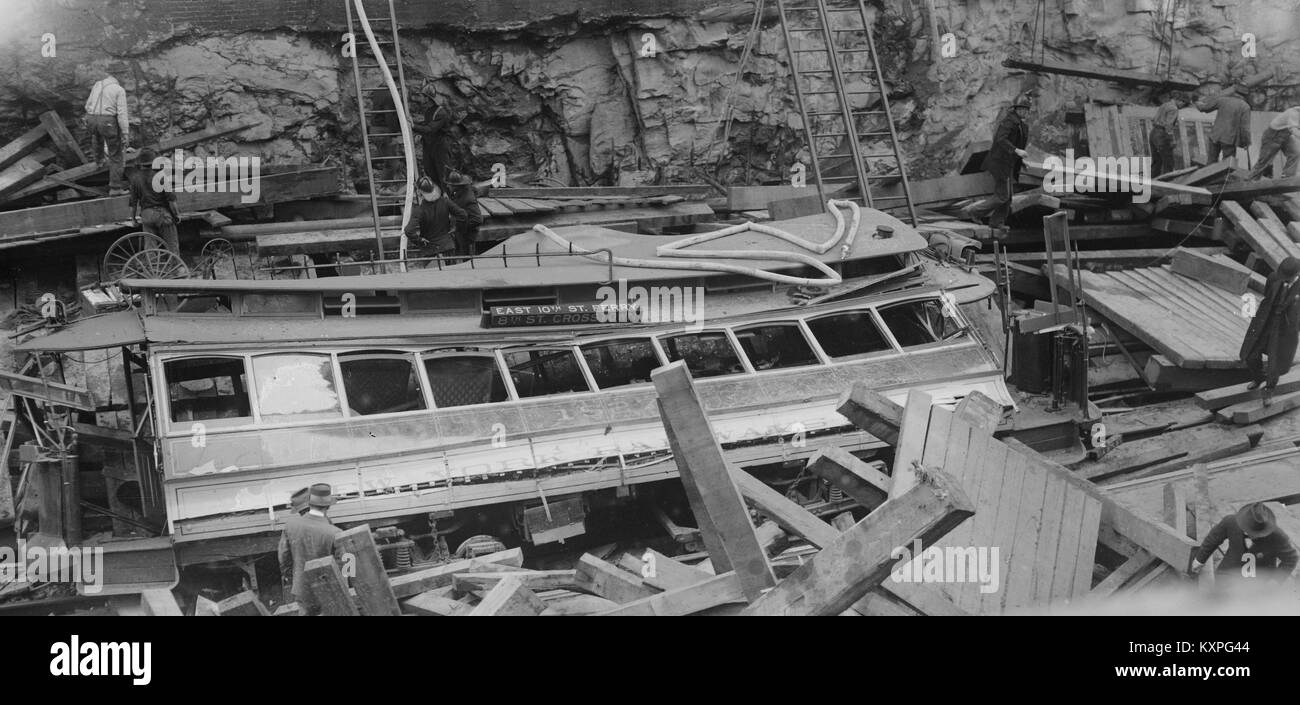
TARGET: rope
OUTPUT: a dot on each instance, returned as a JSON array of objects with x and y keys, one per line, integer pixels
[{"x": 843, "y": 237}]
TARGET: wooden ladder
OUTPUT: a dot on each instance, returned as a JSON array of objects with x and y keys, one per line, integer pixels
[
  {"x": 827, "y": 46},
  {"x": 377, "y": 107}
]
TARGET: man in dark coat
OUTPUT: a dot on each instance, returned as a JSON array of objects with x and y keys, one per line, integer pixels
[
  {"x": 1231, "y": 129},
  {"x": 462, "y": 194},
  {"x": 1275, "y": 329},
  {"x": 308, "y": 537},
  {"x": 1004, "y": 159},
  {"x": 435, "y": 142},
  {"x": 297, "y": 508},
  {"x": 1252, "y": 530},
  {"x": 433, "y": 220}
]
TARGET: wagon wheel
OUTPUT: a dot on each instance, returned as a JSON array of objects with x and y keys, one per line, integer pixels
[
  {"x": 213, "y": 253},
  {"x": 155, "y": 263},
  {"x": 124, "y": 248}
]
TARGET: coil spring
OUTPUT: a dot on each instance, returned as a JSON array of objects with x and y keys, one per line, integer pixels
[
  {"x": 403, "y": 555},
  {"x": 836, "y": 494}
]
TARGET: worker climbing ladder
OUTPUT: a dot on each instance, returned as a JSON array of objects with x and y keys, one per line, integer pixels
[
  {"x": 381, "y": 104},
  {"x": 831, "y": 49}
]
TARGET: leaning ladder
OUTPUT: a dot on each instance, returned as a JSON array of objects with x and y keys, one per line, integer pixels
[
  {"x": 370, "y": 84},
  {"x": 834, "y": 118}
]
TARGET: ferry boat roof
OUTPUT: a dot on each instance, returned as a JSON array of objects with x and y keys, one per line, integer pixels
[{"x": 491, "y": 273}]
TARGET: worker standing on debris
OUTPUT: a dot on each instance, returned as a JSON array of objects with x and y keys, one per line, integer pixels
[
  {"x": 1269, "y": 346},
  {"x": 433, "y": 220},
  {"x": 1253, "y": 532},
  {"x": 1004, "y": 160},
  {"x": 1163, "y": 129},
  {"x": 110, "y": 131},
  {"x": 435, "y": 140},
  {"x": 153, "y": 208},
  {"x": 297, "y": 508},
  {"x": 1281, "y": 135},
  {"x": 1231, "y": 123},
  {"x": 306, "y": 538},
  {"x": 462, "y": 194}
]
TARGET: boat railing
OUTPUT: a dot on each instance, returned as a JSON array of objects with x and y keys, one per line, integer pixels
[{"x": 380, "y": 266}]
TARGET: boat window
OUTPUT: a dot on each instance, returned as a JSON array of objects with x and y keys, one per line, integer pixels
[
  {"x": 540, "y": 372},
  {"x": 279, "y": 304},
  {"x": 618, "y": 363},
  {"x": 191, "y": 303},
  {"x": 362, "y": 303},
  {"x": 299, "y": 386},
  {"x": 464, "y": 378},
  {"x": 771, "y": 347},
  {"x": 207, "y": 389},
  {"x": 380, "y": 383},
  {"x": 706, "y": 354},
  {"x": 920, "y": 322},
  {"x": 849, "y": 333}
]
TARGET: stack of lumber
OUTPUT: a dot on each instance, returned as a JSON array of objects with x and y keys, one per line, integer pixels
[
  {"x": 24, "y": 160},
  {"x": 1238, "y": 404}
]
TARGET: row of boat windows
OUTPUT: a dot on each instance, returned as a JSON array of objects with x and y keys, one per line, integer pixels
[{"x": 306, "y": 386}]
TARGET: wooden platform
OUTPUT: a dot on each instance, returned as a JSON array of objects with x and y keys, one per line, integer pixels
[{"x": 1193, "y": 324}]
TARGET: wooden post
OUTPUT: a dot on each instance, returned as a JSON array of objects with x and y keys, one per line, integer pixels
[
  {"x": 375, "y": 595},
  {"x": 980, "y": 411},
  {"x": 710, "y": 488},
  {"x": 159, "y": 603},
  {"x": 606, "y": 580},
  {"x": 865, "y": 484},
  {"x": 326, "y": 584},
  {"x": 245, "y": 604},
  {"x": 844, "y": 571},
  {"x": 64, "y": 143},
  {"x": 509, "y": 598},
  {"x": 911, "y": 441}
]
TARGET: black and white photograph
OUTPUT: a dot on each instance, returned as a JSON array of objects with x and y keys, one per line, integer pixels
[{"x": 459, "y": 308}]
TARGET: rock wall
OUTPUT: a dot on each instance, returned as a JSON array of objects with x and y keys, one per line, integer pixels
[{"x": 565, "y": 93}]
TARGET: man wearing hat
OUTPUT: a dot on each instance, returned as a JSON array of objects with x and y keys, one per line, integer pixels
[
  {"x": 432, "y": 219},
  {"x": 1004, "y": 159},
  {"x": 436, "y": 140},
  {"x": 462, "y": 194},
  {"x": 1252, "y": 530},
  {"x": 297, "y": 508},
  {"x": 305, "y": 538},
  {"x": 155, "y": 210},
  {"x": 1231, "y": 127},
  {"x": 107, "y": 121}
]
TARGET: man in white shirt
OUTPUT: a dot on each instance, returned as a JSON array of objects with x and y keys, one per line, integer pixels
[
  {"x": 106, "y": 118},
  {"x": 1281, "y": 135}
]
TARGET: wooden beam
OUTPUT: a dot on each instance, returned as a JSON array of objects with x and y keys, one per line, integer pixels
[
  {"x": 245, "y": 604},
  {"x": 674, "y": 214},
  {"x": 1251, "y": 190},
  {"x": 159, "y": 603},
  {"x": 64, "y": 143},
  {"x": 1121, "y": 575},
  {"x": 1213, "y": 399},
  {"x": 864, "y": 483},
  {"x": 1163, "y": 375},
  {"x": 872, "y": 412},
  {"x": 860, "y": 559},
  {"x": 716, "y": 590},
  {"x": 576, "y": 604},
  {"x": 375, "y": 595},
  {"x": 662, "y": 572},
  {"x": 328, "y": 587},
  {"x": 1104, "y": 74},
  {"x": 509, "y": 598},
  {"x": 580, "y": 192},
  {"x": 606, "y": 580},
  {"x": 980, "y": 411},
  {"x": 1253, "y": 234},
  {"x": 21, "y": 147},
  {"x": 536, "y": 580},
  {"x": 15, "y": 177},
  {"x": 431, "y": 604},
  {"x": 1254, "y": 411},
  {"x": 1211, "y": 270},
  {"x": 47, "y": 392},
  {"x": 729, "y": 535},
  {"x": 416, "y": 582},
  {"x": 911, "y": 442}
]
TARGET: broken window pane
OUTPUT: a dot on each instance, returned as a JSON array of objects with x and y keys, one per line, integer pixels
[
  {"x": 919, "y": 322},
  {"x": 851, "y": 333},
  {"x": 617, "y": 363},
  {"x": 295, "y": 385},
  {"x": 207, "y": 388},
  {"x": 540, "y": 372},
  {"x": 772, "y": 347},
  {"x": 380, "y": 383},
  {"x": 706, "y": 354},
  {"x": 462, "y": 378}
]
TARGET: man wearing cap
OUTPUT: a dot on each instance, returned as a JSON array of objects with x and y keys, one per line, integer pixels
[
  {"x": 107, "y": 120},
  {"x": 462, "y": 194},
  {"x": 433, "y": 220},
  {"x": 308, "y": 537},
  {"x": 1281, "y": 135},
  {"x": 1231, "y": 127},
  {"x": 154, "y": 209},
  {"x": 1004, "y": 159},
  {"x": 1252, "y": 530},
  {"x": 1163, "y": 129}
]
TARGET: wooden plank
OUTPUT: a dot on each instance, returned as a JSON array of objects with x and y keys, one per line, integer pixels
[
  {"x": 675, "y": 214},
  {"x": 1254, "y": 234},
  {"x": 662, "y": 572},
  {"x": 519, "y": 207},
  {"x": 157, "y": 602},
  {"x": 245, "y": 604},
  {"x": 47, "y": 392},
  {"x": 1167, "y": 448},
  {"x": 535, "y": 580},
  {"x": 1003, "y": 532},
  {"x": 375, "y": 596},
  {"x": 1211, "y": 271},
  {"x": 431, "y": 604},
  {"x": 25, "y": 144},
  {"x": 1086, "y": 554},
  {"x": 991, "y": 472},
  {"x": 1067, "y": 545},
  {"x": 64, "y": 142},
  {"x": 326, "y": 583},
  {"x": 1176, "y": 507},
  {"x": 1048, "y": 539},
  {"x": 843, "y": 572},
  {"x": 575, "y": 604},
  {"x": 495, "y": 207},
  {"x": 911, "y": 442},
  {"x": 1254, "y": 411},
  {"x": 861, "y": 481},
  {"x": 620, "y": 192},
  {"x": 416, "y": 582},
  {"x": 980, "y": 411},
  {"x": 1199, "y": 175},
  {"x": 717, "y": 590},
  {"x": 1213, "y": 399},
  {"x": 608, "y": 581},
  {"x": 1135, "y": 564},
  {"x": 1163, "y": 375},
  {"x": 872, "y": 412},
  {"x": 327, "y": 241},
  {"x": 710, "y": 488},
  {"x": 1251, "y": 190},
  {"x": 509, "y": 598},
  {"x": 20, "y": 174}
]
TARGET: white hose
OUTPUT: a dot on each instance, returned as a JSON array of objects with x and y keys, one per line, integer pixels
[
  {"x": 408, "y": 140},
  {"x": 675, "y": 249}
]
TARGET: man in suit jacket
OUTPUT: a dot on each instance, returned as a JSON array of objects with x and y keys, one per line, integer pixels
[
  {"x": 1231, "y": 127},
  {"x": 308, "y": 537},
  {"x": 1004, "y": 159},
  {"x": 1252, "y": 530},
  {"x": 297, "y": 508},
  {"x": 1274, "y": 331}
]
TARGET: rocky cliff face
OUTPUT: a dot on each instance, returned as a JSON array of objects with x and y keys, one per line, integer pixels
[{"x": 577, "y": 98}]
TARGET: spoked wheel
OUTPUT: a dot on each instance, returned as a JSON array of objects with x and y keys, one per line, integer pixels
[
  {"x": 126, "y": 247},
  {"x": 154, "y": 263},
  {"x": 214, "y": 252}
]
